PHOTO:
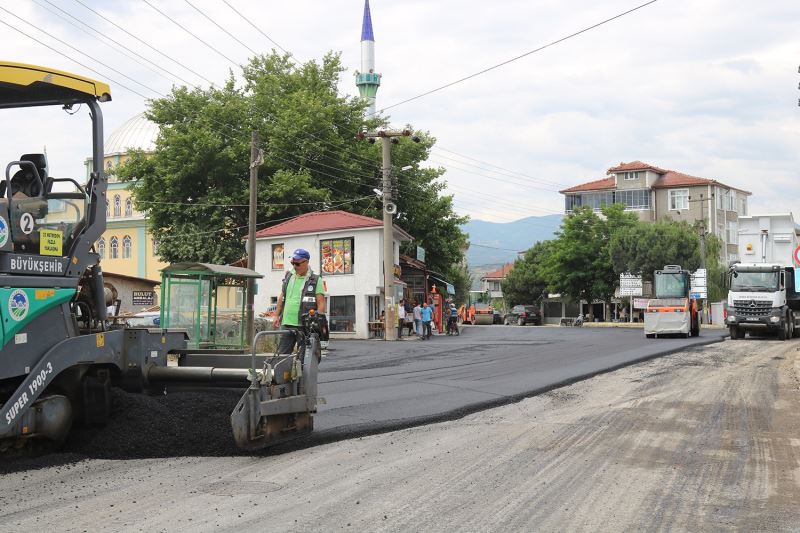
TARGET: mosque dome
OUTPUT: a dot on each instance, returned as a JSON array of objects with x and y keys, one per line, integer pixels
[{"x": 136, "y": 133}]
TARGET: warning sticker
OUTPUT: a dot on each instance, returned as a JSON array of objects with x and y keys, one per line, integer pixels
[{"x": 50, "y": 241}]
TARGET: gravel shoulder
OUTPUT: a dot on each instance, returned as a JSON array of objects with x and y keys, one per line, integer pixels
[{"x": 702, "y": 440}]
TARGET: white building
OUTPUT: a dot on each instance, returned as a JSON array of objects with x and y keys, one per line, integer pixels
[{"x": 346, "y": 250}]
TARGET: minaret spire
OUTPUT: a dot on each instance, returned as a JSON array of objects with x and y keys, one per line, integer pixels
[{"x": 368, "y": 80}]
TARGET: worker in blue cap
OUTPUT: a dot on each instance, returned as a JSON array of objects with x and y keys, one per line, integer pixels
[{"x": 302, "y": 291}]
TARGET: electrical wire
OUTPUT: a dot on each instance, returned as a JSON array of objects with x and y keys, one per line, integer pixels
[
  {"x": 506, "y": 62},
  {"x": 259, "y": 30},
  {"x": 215, "y": 23}
]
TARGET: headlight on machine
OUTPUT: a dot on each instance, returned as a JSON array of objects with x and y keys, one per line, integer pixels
[
  {"x": 774, "y": 319},
  {"x": 731, "y": 318}
]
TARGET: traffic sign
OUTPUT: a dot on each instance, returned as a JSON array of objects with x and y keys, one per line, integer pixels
[
  {"x": 630, "y": 285},
  {"x": 796, "y": 256}
]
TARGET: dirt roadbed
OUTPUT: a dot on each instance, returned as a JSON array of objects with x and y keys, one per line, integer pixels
[{"x": 703, "y": 440}]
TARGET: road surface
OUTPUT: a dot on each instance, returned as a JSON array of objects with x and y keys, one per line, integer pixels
[{"x": 701, "y": 440}]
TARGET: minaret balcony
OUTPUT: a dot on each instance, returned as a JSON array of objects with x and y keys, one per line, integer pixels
[{"x": 368, "y": 78}]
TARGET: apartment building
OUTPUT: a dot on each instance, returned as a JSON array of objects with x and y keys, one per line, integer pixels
[{"x": 654, "y": 193}]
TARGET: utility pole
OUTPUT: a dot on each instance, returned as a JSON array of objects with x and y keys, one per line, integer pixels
[
  {"x": 388, "y": 137},
  {"x": 702, "y": 229},
  {"x": 256, "y": 158}
]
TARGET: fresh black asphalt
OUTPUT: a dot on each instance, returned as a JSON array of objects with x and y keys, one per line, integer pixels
[{"x": 374, "y": 386}]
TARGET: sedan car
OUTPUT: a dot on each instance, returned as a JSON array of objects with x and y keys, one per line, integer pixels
[{"x": 524, "y": 314}]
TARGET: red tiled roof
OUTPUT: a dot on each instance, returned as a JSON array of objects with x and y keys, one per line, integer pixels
[
  {"x": 322, "y": 221},
  {"x": 667, "y": 179},
  {"x": 635, "y": 165},
  {"x": 605, "y": 183},
  {"x": 501, "y": 274}
]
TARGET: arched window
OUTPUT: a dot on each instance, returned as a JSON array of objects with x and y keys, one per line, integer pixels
[
  {"x": 114, "y": 248},
  {"x": 128, "y": 207},
  {"x": 155, "y": 246},
  {"x": 117, "y": 205},
  {"x": 108, "y": 208},
  {"x": 126, "y": 247},
  {"x": 101, "y": 248},
  {"x": 108, "y": 166}
]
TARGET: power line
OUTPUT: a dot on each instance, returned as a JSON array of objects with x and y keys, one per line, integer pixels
[
  {"x": 554, "y": 183},
  {"x": 145, "y": 43},
  {"x": 215, "y": 23},
  {"x": 498, "y": 65},
  {"x": 178, "y": 24},
  {"x": 259, "y": 30}
]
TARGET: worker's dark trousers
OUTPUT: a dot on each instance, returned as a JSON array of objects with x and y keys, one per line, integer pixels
[{"x": 288, "y": 340}]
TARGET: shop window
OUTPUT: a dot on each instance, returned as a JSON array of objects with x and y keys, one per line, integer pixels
[
  {"x": 342, "y": 313},
  {"x": 337, "y": 256}
]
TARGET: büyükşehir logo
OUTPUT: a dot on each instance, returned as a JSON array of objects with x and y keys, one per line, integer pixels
[
  {"x": 18, "y": 305},
  {"x": 3, "y": 232}
]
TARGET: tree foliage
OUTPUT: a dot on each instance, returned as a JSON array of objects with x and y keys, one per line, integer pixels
[
  {"x": 195, "y": 186},
  {"x": 578, "y": 264},
  {"x": 645, "y": 248},
  {"x": 526, "y": 283}
]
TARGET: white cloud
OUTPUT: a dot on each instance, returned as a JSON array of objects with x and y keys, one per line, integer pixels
[{"x": 707, "y": 88}]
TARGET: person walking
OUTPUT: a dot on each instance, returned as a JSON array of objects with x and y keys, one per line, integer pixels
[
  {"x": 417, "y": 314},
  {"x": 302, "y": 291},
  {"x": 427, "y": 317}
]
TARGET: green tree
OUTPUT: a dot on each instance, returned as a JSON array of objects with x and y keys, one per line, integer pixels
[
  {"x": 645, "y": 248},
  {"x": 526, "y": 283},
  {"x": 579, "y": 265},
  {"x": 195, "y": 189},
  {"x": 714, "y": 269}
]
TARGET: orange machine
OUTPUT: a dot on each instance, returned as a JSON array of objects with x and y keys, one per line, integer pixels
[{"x": 672, "y": 311}]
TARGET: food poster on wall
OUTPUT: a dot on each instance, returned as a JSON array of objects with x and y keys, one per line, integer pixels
[
  {"x": 337, "y": 256},
  {"x": 277, "y": 256}
]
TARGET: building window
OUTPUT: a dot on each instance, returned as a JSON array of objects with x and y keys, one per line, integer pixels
[
  {"x": 155, "y": 246},
  {"x": 277, "y": 256},
  {"x": 101, "y": 248},
  {"x": 678, "y": 199},
  {"x": 342, "y": 313},
  {"x": 633, "y": 175},
  {"x": 743, "y": 207},
  {"x": 733, "y": 233},
  {"x": 128, "y": 207},
  {"x": 114, "y": 253},
  {"x": 633, "y": 198},
  {"x": 108, "y": 208},
  {"x": 117, "y": 205},
  {"x": 126, "y": 247},
  {"x": 337, "y": 256}
]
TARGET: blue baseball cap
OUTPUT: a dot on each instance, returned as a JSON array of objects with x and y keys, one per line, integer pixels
[{"x": 300, "y": 254}]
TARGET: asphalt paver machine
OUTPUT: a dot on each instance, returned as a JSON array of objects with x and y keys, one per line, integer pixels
[
  {"x": 59, "y": 355},
  {"x": 672, "y": 311}
]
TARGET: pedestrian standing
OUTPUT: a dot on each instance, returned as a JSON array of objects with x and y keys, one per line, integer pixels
[
  {"x": 401, "y": 318},
  {"x": 427, "y": 317},
  {"x": 417, "y": 314},
  {"x": 409, "y": 317}
]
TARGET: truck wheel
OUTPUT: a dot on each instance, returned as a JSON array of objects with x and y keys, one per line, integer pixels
[
  {"x": 782, "y": 331},
  {"x": 650, "y": 335},
  {"x": 736, "y": 333}
]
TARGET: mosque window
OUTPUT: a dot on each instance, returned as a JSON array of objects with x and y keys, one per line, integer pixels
[
  {"x": 114, "y": 253},
  {"x": 117, "y": 205},
  {"x": 108, "y": 209},
  {"x": 126, "y": 247},
  {"x": 128, "y": 207},
  {"x": 155, "y": 246},
  {"x": 101, "y": 248}
]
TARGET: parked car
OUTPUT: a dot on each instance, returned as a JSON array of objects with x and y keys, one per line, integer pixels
[
  {"x": 145, "y": 319},
  {"x": 523, "y": 314}
]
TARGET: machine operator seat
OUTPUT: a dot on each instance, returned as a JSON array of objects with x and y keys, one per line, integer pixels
[{"x": 27, "y": 196}]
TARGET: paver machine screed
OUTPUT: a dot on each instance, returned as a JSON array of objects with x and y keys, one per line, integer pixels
[
  {"x": 59, "y": 356},
  {"x": 672, "y": 311}
]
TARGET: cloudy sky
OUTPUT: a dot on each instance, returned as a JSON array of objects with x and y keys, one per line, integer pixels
[{"x": 705, "y": 87}]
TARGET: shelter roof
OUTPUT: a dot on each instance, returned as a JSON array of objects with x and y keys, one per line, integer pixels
[{"x": 211, "y": 269}]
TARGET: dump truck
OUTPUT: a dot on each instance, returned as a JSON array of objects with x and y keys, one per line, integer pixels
[
  {"x": 59, "y": 354},
  {"x": 763, "y": 288},
  {"x": 672, "y": 311}
]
